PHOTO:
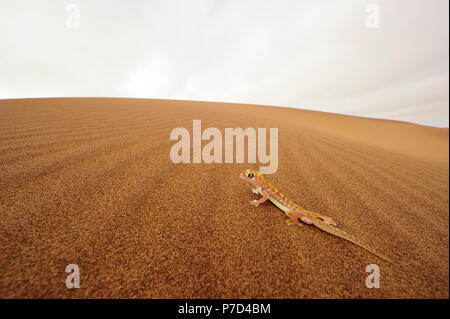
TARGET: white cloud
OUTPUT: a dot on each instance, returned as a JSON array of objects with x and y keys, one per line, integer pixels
[{"x": 310, "y": 54}]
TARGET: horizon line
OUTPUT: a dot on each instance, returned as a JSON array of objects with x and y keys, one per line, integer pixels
[{"x": 223, "y": 102}]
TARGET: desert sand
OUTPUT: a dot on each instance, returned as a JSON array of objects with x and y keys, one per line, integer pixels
[{"x": 89, "y": 181}]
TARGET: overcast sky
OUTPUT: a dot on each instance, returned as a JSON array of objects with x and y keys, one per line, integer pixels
[{"x": 311, "y": 54}]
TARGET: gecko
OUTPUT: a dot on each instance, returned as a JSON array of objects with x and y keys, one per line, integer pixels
[{"x": 295, "y": 213}]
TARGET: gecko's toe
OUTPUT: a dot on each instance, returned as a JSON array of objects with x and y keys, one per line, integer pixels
[
  {"x": 291, "y": 223},
  {"x": 254, "y": 203},
  {"x": 329, "y": 221},
  {"x": 332, "y": 223}
]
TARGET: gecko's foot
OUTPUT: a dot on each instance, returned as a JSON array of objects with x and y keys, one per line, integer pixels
[
  {"x": 291, "y": 223},
  {"x": 254, "y": 203},
  {"x": 325, "y": 219},
  {"x": 329, "y": 220}
]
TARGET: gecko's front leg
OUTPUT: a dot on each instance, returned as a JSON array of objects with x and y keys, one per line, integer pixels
[{"x": 256, "y": 203}]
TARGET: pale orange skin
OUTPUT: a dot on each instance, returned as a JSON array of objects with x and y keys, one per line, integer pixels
[{"x": 295, "y": 212}]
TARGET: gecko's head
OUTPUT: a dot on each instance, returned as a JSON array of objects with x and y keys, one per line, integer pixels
[{"x": 253, "y": 177}]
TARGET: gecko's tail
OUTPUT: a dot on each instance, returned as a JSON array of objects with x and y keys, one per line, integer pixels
[{"x": 343, "y": 234}]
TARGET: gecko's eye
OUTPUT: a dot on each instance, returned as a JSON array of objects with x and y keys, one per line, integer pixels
[{"x": 250, "y": 175}]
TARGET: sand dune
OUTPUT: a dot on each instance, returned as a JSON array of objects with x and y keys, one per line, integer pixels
[{"x": 90, "y": 181}]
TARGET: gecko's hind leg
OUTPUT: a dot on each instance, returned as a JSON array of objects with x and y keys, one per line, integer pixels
[
  {"x": 294, "y": 218},
  {"x": 291, "y": 223},
  {"x": 326, "y": 219}
]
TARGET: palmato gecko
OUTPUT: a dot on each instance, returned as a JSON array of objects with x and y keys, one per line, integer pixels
[{"x": 295, "y": 212}]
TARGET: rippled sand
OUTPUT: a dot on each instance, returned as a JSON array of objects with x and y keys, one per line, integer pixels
[{"x": 90, "y": 181}]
